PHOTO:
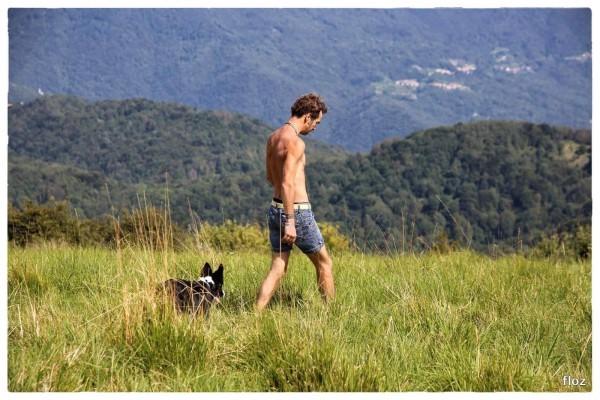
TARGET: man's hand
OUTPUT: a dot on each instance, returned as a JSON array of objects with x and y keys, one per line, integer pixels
[{"x": 289, "y": 232}]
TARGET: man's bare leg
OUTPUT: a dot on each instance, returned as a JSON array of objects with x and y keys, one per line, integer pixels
[
  {"x": 324, "y": 266},
  {"x": 279, "y": 263}
]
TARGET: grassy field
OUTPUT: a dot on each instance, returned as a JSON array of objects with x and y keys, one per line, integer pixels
[{"x": 85, "y": 319}]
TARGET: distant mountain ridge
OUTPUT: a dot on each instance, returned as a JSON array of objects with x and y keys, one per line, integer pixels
[
  {"x": 483, "y": 184},
  {"x": 383, "y": 72}
]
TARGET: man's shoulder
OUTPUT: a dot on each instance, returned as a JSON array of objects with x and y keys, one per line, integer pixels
[
  {"x": 301, "y": 143},
  {"x": 289, "y": 138},
  {"x": 296, "y": 146},
  {"x": 274, "y": 134}
]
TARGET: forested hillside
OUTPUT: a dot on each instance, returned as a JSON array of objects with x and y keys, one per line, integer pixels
[
  {"x": 65, "y": 147},
  {"x": 479, "y": 184}
]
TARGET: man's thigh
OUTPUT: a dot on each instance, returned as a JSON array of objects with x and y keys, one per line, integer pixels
[{"x": 309, "y": 238}]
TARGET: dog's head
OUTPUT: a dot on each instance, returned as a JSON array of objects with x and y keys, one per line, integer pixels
[{"x": 213, "y": 281}]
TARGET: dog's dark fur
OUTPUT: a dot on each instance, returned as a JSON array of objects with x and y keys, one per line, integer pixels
[{"x": 196, "y": 297}]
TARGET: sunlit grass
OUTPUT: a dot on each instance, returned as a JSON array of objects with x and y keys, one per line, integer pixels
[{"x": 86, "y": 319}]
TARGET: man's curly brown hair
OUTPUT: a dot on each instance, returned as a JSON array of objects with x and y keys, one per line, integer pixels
[{"x": 310, "y": 103}]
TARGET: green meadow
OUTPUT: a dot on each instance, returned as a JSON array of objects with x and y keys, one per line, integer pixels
[{"x": 89, "y": 319}]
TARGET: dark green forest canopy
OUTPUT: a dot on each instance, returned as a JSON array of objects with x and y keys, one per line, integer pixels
[{"x": 481, "y": 184}]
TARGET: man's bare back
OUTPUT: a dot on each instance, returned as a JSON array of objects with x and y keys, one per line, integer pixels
[{"x": 282, "y": 143}]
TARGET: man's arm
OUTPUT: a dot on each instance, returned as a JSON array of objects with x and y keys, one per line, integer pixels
[
  {"x": 291, "y": 164},
  {"x": 293, "y": 157}
]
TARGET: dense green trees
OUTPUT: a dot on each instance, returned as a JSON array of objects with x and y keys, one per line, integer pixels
[{"x": 480, "y": 184}]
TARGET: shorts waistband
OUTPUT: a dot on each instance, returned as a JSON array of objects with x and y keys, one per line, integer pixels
[{"x": 297, "y": 206}]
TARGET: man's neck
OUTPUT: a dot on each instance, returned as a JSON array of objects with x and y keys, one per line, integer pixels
[{"x": 297, "y": 124}]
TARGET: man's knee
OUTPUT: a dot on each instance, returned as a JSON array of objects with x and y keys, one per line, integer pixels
[
  {"x": 278, "y": 273},
  {"x": 278, "y": 269}
]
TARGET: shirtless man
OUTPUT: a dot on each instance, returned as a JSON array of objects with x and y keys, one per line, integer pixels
[{"x": 290, "y": 216}]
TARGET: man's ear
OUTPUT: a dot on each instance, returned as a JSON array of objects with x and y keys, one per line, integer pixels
[{"x": 206, "y": 270}]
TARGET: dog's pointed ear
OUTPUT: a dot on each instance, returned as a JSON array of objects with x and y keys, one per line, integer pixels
[
  {"x": 218, "y": 274},
  {"x": 206, "y": 270}
]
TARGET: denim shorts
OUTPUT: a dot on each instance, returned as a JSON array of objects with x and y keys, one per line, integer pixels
[{"x": 308, "y": 235}]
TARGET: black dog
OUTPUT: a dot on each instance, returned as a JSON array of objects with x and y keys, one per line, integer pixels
[{"x": 197, "y": 296}]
